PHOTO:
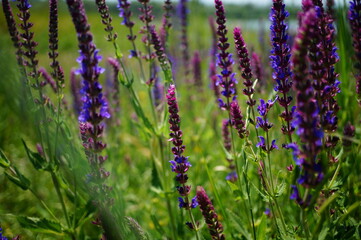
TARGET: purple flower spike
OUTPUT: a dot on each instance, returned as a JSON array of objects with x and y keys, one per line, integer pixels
[
  {"x": 183, "y": 12},
  {"x": 210, "y": 216},
  {"x": 226, "y": 79},
  {"x": 245, "y": 65},
  {"x": 57, "y": 73},
  {"x": 28, "y": 43},
  {"x": 307, "y": 117},
  {"x": 180, "y": 164},
  {"x": 197, "y": 69},
  {"x": 354, "y": 16},
  {"x": 237, "y": 119},
  {"x": 280, "y": 59},
  {"x": 95, "y": 106},
  {"x": 13, "y": 31}
]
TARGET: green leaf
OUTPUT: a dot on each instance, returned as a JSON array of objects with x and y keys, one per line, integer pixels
[
  {"x": 238, "y": 224},
  {"x": 4, "y": 161},
  {"x": 42, "y": 225},
  {"x": 261, "y": 230},
  {"x": 235, "y": 190},
  {"x": 19, "y": 179},
  {"x": 323, "y": 233},
  {"x": 35, "y": 158}
]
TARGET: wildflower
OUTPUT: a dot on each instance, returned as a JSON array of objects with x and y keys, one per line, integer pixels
[
  {"x": 210, "y": 216},
  {"x": 354, "y": 16},
  {"x": 183, "y": 12},
  {"x": 237, "y": 121},
  {"x": 95, "y": 106},
  {"x": 197, "y": 69},
  {"x": 13, "y": 31},
  {"x": 245, "y": 65},
  {"x": 226, "y": 79},
  {"x": 307, "y": 117},
  {"x": 180, "y": 165},
  {"x": 103, "y": 9},
  {"x": 28, "y": 43},
  {"x": 280, "y": 58}
]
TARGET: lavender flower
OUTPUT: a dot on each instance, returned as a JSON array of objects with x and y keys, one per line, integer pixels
[
  {"x": 1, "y": 235},
  {"x": 197, "y": 69},
  {"x": 159, "y": 51},
  {"x": 13, "y": 31},
  {"x": 226, "y": 135},
  {"x": 245, "y": 65},
  {"x": 307, "y": 118},
  {"x": 146, "y": 17},
  {"x": 354, "y": 16},
  {"x": 213, "y": 62},
  {"x": 227, "y": 79},
  {"x": 57, "y": 73},
  {"x": 237, "y": 120},
  {"x": 28, "y": 43},
  {"x": 95, "y": 106},
  {"x": 210, "y": 216},
  {"x": 103, "y": 9},
  {"x": 183, "y": 12},
  {"x": 280, "y": 59},
  {"x": 166, "y": 24},
  {"x": 180, "y": 164},
  {"x": 125, "y": 13}
]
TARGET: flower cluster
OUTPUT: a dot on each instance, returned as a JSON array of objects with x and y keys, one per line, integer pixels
[
  {"x": 13, "y": 31},
  {"x": 262, "y": 122},
  {"x": 57, "y": 73},
  {"x": 103, "y": 9},
  {"x": 125, "y": 13},
  {"x": 210, "y": 216},
  {"x": 245, "y": 65},
  {"x": 95, "y": 106},
  {"x": 280, "y": 58},
  {"x": 28, "y": 43},
  {"x": 227, "y": 79},
  {"x": 197, "y": 69},
  {"x": 146, "y": 17},
  {"x": 183, "y": 13},
  {"x": 180, "y": 164},
  {"x": 354, "y": 16},
  {"x": 159, "y": 49},
  {"x": 213, "y": 63},
  {"x": 237, "y": 119},
  {"x": 307, "y": 117}
]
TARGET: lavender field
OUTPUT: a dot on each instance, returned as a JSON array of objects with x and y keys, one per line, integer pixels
[{"x": 180, "y": 120}]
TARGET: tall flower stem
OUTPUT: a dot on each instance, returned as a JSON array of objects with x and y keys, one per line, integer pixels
[{"x": 239, "y": 175}]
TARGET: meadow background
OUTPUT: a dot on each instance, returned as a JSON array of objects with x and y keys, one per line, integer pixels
[{"x": 132, "y": 160}]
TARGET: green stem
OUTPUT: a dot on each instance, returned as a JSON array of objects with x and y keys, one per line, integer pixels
[
  {"x": 60, "y": 196},
  {"x": 44, "y": 204}
]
